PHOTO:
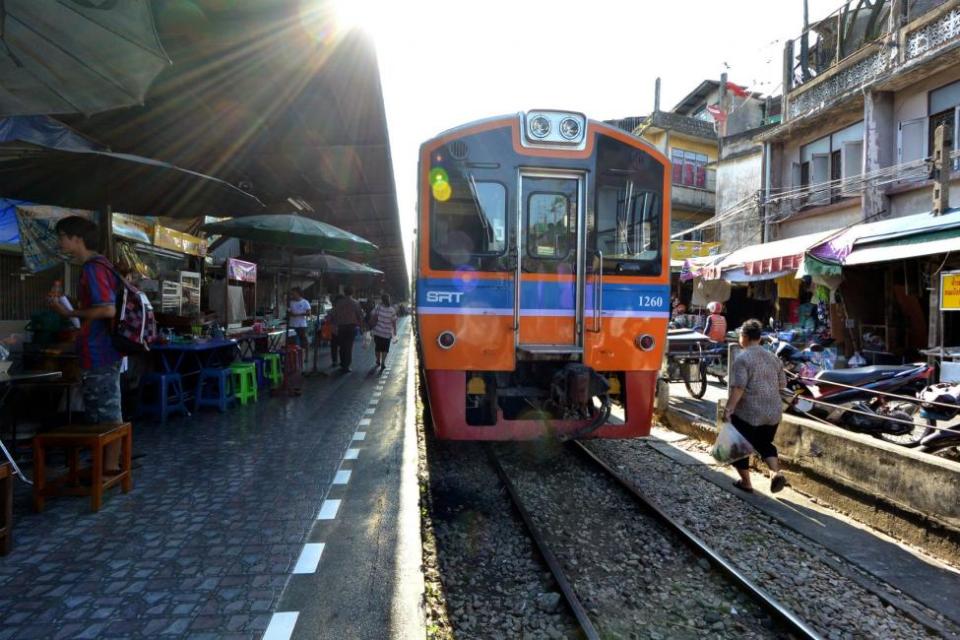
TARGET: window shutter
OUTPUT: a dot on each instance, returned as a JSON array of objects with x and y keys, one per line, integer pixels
[
  {"x": 820, "y": 173},
  {"x": 851, "y": 166},
  {"x": 910, "y": 138}
]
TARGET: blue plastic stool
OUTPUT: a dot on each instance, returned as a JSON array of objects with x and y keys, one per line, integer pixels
[
  {"x": 262, "y": 380},
  {"x": 169, "y": 395},
  {"x": 214, "y": 389}
]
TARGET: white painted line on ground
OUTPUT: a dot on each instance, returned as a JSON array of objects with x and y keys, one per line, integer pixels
[
  {"x": 376, "y": 394},
  {"x": 374, "y": 401},
  {"x": 364, "y": 422},
  {"x": 309, "y": 558},
  {"x": 342, "y": 477},
  {"x": 351, "y": 454},
  {"x": 360, "y": 435},
  {"x": 369, "y": 412},
  {"x": 328, "y": 511},
  {"x": 281, "y": 625}
]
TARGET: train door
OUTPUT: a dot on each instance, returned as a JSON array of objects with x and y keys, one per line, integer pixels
[{"x": 550, "y": 269}]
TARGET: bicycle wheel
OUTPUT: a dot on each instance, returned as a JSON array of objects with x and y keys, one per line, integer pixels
[{"x": 696, "y": 384}]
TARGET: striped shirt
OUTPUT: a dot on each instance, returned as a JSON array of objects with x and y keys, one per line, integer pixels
[
  {"x": 98, "y": 287},
  {"x": 386, "y": 321}
]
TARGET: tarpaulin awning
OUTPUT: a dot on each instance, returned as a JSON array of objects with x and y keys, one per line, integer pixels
[
  {"x": 921, "y": 244},
  {"x": 839, "y": 247},
  {"x": 770, "y": 259}
]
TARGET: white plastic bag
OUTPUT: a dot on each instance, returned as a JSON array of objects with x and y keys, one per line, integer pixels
[
  {"x": 857, "y": 360},
  {"x": 730, "y": 445},
  {"x": 367, "y": 339}
]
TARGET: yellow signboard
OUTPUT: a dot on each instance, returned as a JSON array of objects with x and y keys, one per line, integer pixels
[
  {"x": 682, "y": 249},
  {"x": 950, "y": 291},
  {"x": 168, "y": 238}
]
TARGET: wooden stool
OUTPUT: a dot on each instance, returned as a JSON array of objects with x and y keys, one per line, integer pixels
[
  {"x": 73, "y": 438},
  {"x": 6, "y": 508}
]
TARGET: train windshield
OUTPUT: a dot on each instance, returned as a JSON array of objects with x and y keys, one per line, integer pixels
[
  {"x": 629, "y": 210},
  {"x": 469, "y": 222}
]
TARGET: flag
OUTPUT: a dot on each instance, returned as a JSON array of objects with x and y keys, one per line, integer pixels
[{"x": 737, "y": 90}]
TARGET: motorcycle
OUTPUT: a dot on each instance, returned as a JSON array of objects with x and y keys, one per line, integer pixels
[
  {"x": 858, "y": 408},
  {"x": 944, "y": 395}
]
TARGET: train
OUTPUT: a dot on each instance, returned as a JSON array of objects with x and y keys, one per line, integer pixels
[{"x": 542, "y": 277}]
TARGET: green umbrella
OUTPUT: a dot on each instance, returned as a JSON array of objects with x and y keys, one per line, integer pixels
[
  {"x": 293, "y": 231},
  {"x": 323, "y": 263}
]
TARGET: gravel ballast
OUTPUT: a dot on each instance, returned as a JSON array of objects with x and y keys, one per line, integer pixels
[{"x": 794, "y": 569}]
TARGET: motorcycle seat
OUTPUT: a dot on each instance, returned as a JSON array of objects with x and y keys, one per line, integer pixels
[{"x": 861, "y": 375}]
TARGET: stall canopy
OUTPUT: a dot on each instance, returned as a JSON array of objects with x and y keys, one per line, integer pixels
[
  {"x": 766, "y": 261},
  {"x": 895, "y": 239},
  {"x": 292, "y": 231},
  {"x": 76, "y": 56},
  {"x": 94, "y": 179},
  {"x": 325, "y": 264},
  {"x": 272, "y": 96}
]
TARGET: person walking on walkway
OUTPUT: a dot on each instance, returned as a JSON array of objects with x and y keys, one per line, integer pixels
[
  {"x": 754, "y": 404},
  {"x": 99, "y": 361},
  {"x": 330, "y": 332},
  {"x": 384, "y": 328},
  {"x": 347, "y": 318}
]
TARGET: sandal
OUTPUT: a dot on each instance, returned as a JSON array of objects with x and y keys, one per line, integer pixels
[
  {"x": 778, "y": 483},
  {"x": 739, "y": 485}
]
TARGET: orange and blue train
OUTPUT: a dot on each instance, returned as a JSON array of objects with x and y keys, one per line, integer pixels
[{"x": 542, "y": 278}]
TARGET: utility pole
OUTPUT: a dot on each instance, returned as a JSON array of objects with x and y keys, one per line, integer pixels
[{"x": 941, "y": 171}]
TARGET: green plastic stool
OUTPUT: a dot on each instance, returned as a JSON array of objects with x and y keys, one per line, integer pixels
[
  {"x": 244, "y": 381},
  {"x": 273, "y": 369}
]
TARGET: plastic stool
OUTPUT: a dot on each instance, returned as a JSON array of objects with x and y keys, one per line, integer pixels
[
  {"x": 272, "y": 368},
  {"x": 293, "y": 360},
  {"x": 244, "y": 376},
  {"x": 169, "y": 395},
  {"x": 214, "y": 389},
  {"x": 262, "y": 378}
]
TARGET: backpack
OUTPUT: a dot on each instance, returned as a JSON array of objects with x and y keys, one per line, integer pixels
[{"x": 134, "y": 325}]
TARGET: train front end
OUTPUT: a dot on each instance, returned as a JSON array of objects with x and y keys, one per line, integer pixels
[{"x": 542, "y": 278}]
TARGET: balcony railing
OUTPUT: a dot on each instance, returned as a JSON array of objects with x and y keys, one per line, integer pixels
[{"x": 856, "y": 24}]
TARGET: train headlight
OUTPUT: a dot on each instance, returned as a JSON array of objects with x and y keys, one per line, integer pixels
[
  {"x": 569, "y": 128},
  {"x": 446, "y": 340},
  {"x": 646, "y": 342},
  {"x": 539, "y": 126}
]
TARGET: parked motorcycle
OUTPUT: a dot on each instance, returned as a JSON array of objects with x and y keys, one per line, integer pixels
[
  {"x": 858, "y": 409},
  {"x": 937, "y": 439}
]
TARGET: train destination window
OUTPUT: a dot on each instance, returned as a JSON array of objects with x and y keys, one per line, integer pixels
[
  {"x": 469, "y": 224},
  {"x": 548, "y": 225}
]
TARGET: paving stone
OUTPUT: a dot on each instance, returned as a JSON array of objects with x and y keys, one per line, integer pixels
[{"x": 185, "y": 549}]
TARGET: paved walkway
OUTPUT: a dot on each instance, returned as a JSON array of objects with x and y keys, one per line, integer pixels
[{"x": 205, "y": 544}]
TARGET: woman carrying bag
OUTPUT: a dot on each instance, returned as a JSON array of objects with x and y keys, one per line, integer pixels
[
  {"x": 383, "y": 323},
  {"x": 754, "y": 405}
]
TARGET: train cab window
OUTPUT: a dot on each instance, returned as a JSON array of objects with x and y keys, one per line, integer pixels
[
  {"x": 628, "y": 228},
  {"x": 469, "y": 224},
  {"x": 548, "y": 225}
]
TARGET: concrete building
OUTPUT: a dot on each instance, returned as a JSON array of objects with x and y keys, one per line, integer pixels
[
  {"x": 687, "y": 136},
  {"x": 850, "y": 164}
]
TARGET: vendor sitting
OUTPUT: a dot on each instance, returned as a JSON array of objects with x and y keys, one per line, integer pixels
[{"x": 716, "y": 327}]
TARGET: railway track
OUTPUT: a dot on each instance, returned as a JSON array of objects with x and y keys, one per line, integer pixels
[{"x": 597, "y": 619}]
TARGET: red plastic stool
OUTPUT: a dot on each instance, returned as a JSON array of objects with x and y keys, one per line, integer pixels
[{"x": 292, "y": 370}]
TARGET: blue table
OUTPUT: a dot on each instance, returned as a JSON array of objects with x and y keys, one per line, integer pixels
[{"x": 177, "y": 356}]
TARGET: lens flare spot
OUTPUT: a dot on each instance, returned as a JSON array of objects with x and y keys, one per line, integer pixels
[{"x": 442, "y": 191}]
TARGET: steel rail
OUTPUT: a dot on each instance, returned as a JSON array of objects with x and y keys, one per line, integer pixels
[
  {"x": 579, "y": 612},
  {"x": 797, "y": 626}
]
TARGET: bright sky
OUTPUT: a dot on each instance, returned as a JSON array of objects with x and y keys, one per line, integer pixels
[{"x": 443, "y": 64}]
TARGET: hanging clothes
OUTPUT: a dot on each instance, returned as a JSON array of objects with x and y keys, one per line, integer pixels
[
  {"x": 788, "y": 287},
  {"x": 706, "y": 291}
]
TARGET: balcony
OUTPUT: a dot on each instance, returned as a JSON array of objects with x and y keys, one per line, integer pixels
[
  {"x": 861, "y": 44},
  {"x": 684, "y": 197}
]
